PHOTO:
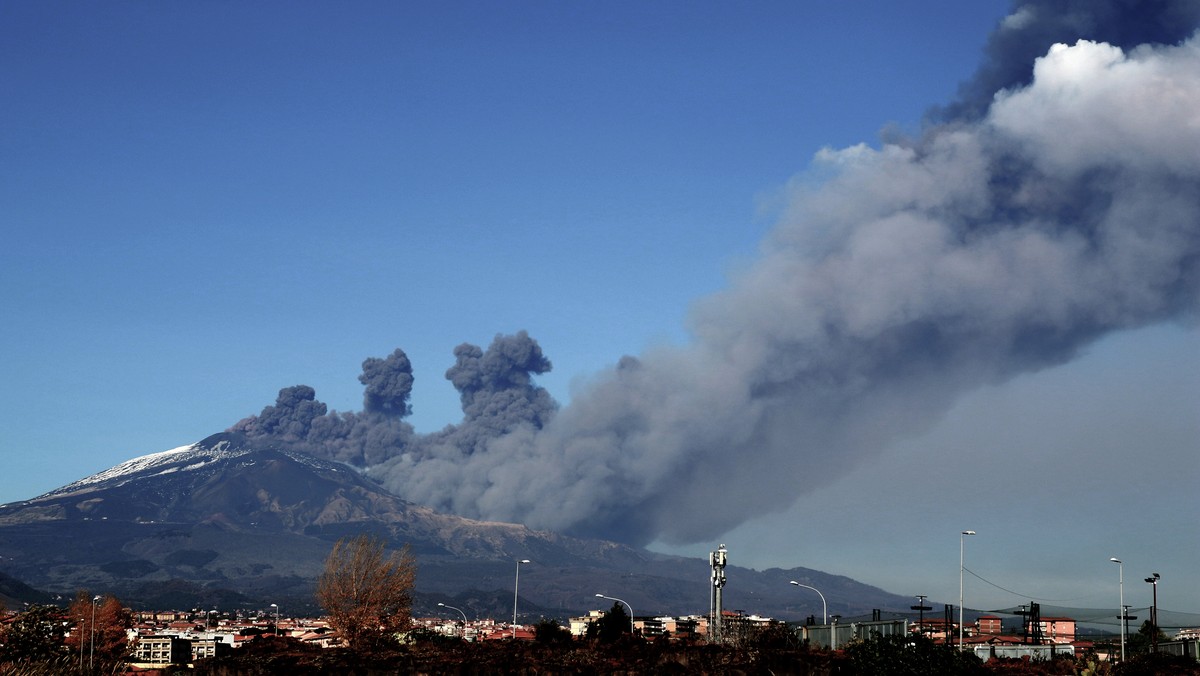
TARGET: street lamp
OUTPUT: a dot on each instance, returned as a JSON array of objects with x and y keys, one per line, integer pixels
[
  {"x": 461, "y": 634},
  {"x": 92, "y": 649},
  {"x": 516, "y": 586},
  {"x": 1121, "y": 584},
  {"x": 611, "y": 598},
  {"x": 1153, "y": 579},
  {"x": 276, "y": 607},
  {"x": 824, "y": 606},
  {"x": 962, "y": 536}
]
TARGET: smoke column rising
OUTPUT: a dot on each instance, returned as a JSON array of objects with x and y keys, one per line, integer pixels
[
  {"x": 496, "y": 388},
  {"x": 1056, "y": 201}
]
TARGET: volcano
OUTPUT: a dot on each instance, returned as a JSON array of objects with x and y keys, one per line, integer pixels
[{"x": 231, "y": 521}]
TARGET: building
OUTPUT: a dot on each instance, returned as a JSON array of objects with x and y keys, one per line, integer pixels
[
  {"x": 579, "y": 625},
  {"x": 209, "y": 647},
  {"x": 990, "y": 625},
  {"x": 937, "y": 628},
  {"x": 1057, "y": 629},
  {"x": 675, "y": 628},
  {"x": 162, "y": 650}
]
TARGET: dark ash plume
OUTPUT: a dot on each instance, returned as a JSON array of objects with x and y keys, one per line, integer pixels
[
  {"x": 496, "y": 388},
  {"x": 301, "y": 422},
  {"x": 289, "y": 420},
  {"x": 389, "y": 384},
  {"x": 1034, "y": 25},
  {"x": 1058, "y": 200}
]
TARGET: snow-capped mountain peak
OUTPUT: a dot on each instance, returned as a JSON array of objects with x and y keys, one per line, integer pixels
[{"x": 192, "y": 457}]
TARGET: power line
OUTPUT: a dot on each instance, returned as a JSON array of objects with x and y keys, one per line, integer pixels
[{"x": 1024, "y": 596}]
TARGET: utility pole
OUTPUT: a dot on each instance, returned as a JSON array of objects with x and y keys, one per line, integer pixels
[
  {"x": 921, "y": 607},
  {"x": 1125, "y": 618},
  {"x": 1153, "y": 580}
]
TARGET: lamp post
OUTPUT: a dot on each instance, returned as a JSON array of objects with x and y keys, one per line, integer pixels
[
  {"x": 276, "y": 607},
  {"x": 461, "y": 634},
  {"x": 611, "y": 598},
  {"x": 1121, "y": 586},
  {"x": 961, "y": 538},
  {"x": 92, "y": 649},
  {"x": 1153, "y": 580},
  {"x": 516, "y": 586},
  {"x": 824, "y": 606}
]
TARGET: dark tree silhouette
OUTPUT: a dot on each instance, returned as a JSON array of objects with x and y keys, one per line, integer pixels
[
  {"x": 611, "y": 625},
  {"x": 550, "y": 632},
  {"x": 909, "y": 655},
  {"x": 1141, "y": 642},
  {"x": 36, "y": 635}
]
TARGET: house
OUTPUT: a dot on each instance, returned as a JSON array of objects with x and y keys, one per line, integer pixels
[{"x": 322, "y": 637}]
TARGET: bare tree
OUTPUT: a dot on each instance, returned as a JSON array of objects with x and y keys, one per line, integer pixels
[{"x": 367, "y": 593}]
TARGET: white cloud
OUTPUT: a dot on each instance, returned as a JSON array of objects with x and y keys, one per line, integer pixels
[{"x": 1091, "y": 105}]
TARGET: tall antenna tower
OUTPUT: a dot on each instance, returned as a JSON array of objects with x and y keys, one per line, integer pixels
[{"x": 717, "y": 560}]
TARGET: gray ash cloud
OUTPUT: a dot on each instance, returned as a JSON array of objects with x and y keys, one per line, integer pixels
[
  {"x": 1056, "y": 201},
  {"x": 388, "y": 384},
  {"x": 496, "y": 388}
]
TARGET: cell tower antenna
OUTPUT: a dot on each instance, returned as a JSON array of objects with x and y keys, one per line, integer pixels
[{"x": 717, "y": 561}]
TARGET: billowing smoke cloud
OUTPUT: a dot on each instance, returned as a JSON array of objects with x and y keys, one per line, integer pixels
[
  {"x": 389, "y": 384},
  {"x": 298, "y": 420},
  {"x": 496, "y": 388},
  {"x": 1020, "y": 227},
  {"x": 290, "y": 419}
]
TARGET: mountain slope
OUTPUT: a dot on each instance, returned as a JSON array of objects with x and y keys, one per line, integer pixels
[{"x": 244, "y": 523}]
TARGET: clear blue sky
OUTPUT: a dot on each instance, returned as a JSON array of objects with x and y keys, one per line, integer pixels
[{"x": 203, "y": 203}]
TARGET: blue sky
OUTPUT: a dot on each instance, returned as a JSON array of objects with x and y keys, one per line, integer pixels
[{"x": 206, "y": 203}]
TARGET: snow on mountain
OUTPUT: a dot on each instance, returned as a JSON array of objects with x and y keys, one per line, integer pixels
[{"x": 188, "y": 458}]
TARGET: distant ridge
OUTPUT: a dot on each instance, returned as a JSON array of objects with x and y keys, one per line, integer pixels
[{"x": 15, "y": 593}]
